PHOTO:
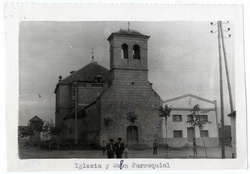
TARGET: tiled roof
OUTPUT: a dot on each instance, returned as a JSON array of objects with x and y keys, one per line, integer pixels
[
  {"x": 123, "y": 32},
  {"x": 88, "y": 74}
]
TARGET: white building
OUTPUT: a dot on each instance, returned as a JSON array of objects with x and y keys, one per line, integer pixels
[{"x": 180, "y": 133}]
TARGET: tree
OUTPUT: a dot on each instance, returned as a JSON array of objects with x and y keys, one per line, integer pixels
[
  {"x": 164, "y": 113},
  {"x": 52, "y": 130},
  {"x": 30, "y": 132},
  {"x": 132, "y": 117},
  {"x": 35, "y": 128},
  {"x": 108, "y": 121},
  {"x": 199, "y": 121}
]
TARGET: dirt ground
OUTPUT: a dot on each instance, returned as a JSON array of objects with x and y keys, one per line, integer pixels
[{"x": 35, "y": 153}]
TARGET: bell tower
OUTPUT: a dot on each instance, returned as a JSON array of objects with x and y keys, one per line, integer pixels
[{"x": 128, "y": 52}]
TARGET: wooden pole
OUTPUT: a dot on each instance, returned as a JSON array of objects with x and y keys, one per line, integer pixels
[
  {"x": 75, "y": 113},
  {"x": 221, "y": 93},
  {"x": 227, "y": 73}
]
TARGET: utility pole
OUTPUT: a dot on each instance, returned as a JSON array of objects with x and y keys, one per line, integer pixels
[
  {"x": 221, "y": 93},
  {"x": 233, "y": 131},
  {"x": 227, "y": 73},
  {"x": 76, "y": 112}
]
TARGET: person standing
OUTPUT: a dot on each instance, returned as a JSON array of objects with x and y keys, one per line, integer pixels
[
  {"x": 103, "y": 146},
  {"x": 126, "y": 151},
  {"x": 194, "y": 147},
  {"x": 119, "y": 148},
  {"x": 155, "y": 145},
  {"x": 110, "y": 147},
  {"x": 230, "y": 141}
]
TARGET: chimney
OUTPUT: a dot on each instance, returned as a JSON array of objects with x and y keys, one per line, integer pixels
[
  {"x": 60, "y": 78},
  {"x": 72, "y": 72}
]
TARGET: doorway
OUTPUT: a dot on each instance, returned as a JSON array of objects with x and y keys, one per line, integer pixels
[
  {"x": 190, "y": 134},
  {"x": 132, "y": 135}
]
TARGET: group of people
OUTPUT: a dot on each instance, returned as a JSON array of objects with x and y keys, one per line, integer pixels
[
  {"x": 119, "y": 149},
  {"x": 116, "y": 148}
]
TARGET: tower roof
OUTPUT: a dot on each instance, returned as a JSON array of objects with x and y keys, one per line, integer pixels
[{"x": 131, "y": 33}]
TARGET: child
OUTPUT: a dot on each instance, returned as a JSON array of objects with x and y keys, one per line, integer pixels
[
  {"x": 155, "y": 144},
  {"x": 126, "y": 151},
  {"x": 103, "y": 145},
  {"x": 194, "y": 147}
]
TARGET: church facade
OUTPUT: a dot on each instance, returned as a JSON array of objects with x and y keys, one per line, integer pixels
[{"x": 94, "y": 103}]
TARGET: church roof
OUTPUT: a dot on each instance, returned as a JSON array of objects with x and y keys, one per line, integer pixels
[
  {"x": 88, "y": 74},
  {"x": 123, "y": 32}
]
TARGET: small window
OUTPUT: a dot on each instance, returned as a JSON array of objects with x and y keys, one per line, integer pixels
[
  {"x": 136, "y": 51},
  {"x": 111, "y": 50},
  {"x": 124, "y": 51},
  {"x": 96, "y": 85},
  {"x": 204, "y": 133},
  {"x": 177, "y": 133},
  {"x": 177, "y": 118}
]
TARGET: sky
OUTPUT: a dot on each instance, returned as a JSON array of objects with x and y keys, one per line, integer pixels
[{"x": 183, "y": 58}]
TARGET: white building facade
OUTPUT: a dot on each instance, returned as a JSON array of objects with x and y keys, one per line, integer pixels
[{"x": 180, "y": 133}]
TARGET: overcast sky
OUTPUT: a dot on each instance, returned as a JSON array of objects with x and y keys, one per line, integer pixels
[{"x": 182, "y": 59}]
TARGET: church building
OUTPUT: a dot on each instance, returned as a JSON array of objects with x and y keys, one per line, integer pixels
[{"x": 94, "y": 103}]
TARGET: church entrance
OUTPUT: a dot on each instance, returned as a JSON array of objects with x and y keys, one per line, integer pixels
[{"x": 132, "y": 135}]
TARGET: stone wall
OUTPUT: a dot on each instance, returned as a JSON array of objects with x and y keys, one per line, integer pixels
[
  {"x": 118, "y": 100},
  {"x": 118, "y": 62},
  {"x": 63, "y": 106},
  {"x": 88, "y": 94},
  {"x": 70, "y": 129},
  {"x": 92, "y": 121}
]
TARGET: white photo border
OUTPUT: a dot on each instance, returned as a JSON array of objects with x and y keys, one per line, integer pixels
[{"x": 14, "y": 13}]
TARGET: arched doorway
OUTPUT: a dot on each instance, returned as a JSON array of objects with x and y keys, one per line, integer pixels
[{"x": 132, "y": 134}]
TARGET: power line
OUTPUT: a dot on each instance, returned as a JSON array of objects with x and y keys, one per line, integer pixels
[
  {"x": 185, "y": 54},
  {"x": 181, "y": 44},
  {"x": 174, "y": 50}
]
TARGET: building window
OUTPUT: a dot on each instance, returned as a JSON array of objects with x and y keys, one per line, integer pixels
[
  {"x": 204, "y": 133},
  {"x": 124, "y": 51},
  {"x": 177, "y": 118},
  {"x": 203, "y": 118},
  {"x": 111, "y": 55},
  {"x": 190, "y": 118},
  {"x": 198, "y": 117},
  {"x": 136, "y": 51},
  {"x": 96, "y": 85},
  {"x": 177, "y": 133}
]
